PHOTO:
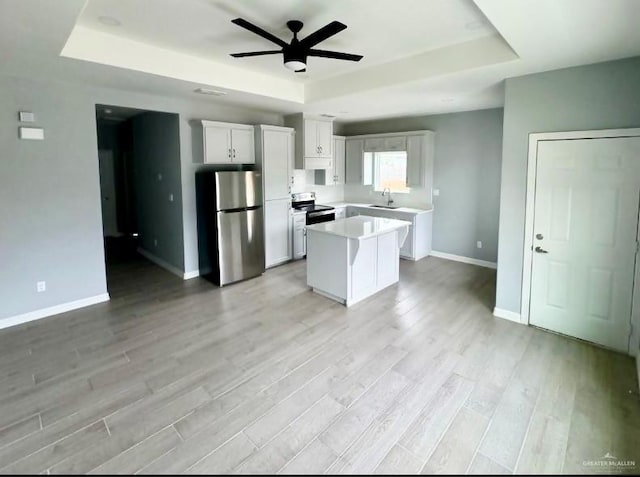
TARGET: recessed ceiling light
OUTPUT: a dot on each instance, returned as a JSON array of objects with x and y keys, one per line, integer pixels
[
  {"x": 211, "y": 92},
  {"x": 109, "y": 21},
  {"x": 475, "y": 25}
]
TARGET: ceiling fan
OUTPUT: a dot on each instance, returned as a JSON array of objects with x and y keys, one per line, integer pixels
[{"x": 296, "y": 53}]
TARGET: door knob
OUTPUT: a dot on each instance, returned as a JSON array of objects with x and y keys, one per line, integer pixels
[{"x": 540, "y": 250}]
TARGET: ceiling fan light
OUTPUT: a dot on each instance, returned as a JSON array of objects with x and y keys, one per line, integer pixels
[{"x": 295, "y": 65}]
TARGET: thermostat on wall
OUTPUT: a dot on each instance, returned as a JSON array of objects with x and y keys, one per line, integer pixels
[
  {"x": 27, "y": 117},
  {"x": 31, "y": 133}
]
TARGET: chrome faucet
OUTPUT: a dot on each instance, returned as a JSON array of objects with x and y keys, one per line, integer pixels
[{"x": 386, "y": 191}]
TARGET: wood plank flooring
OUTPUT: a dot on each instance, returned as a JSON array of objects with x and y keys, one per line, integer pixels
[{"x": 266, "y": 377}]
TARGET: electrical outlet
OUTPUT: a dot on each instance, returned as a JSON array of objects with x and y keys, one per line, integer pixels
[
  {"x": 479, "y": 244},
  {"x": 41, "y": 286},
  {"x": 170, "y": 197},
  {"x": 436, "y": 192},
  {"x": 159, "y": 176},
  {"x": 155, "y": 242}
]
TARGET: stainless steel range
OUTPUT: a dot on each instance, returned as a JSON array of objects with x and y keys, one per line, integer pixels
[
  {"x": 307, "y": 212},
  {"x": 306, "y": 201}
]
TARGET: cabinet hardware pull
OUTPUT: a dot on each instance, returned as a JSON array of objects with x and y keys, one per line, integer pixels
[{"x": 234, "y": 153}]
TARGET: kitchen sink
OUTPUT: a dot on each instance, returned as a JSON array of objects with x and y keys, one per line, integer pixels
[{"x": 383, "y": 206}]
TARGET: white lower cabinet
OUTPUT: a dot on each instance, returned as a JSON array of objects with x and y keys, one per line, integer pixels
[
  {"x": 299, "y": 235},
  {"x": 278, "y": 222}
]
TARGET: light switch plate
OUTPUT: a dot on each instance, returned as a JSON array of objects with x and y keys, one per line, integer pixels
[
  {"x": 32, "y": 133},
  {"x": 436, "y": 192},
  {"x": 27, "y": 117}
]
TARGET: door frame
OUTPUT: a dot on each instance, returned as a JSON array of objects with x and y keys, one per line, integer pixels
[{"x": 532, "y": 168}]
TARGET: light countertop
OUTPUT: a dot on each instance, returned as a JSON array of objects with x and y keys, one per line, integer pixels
[
  {"x": 359, "y": 227},
  {"x": 410, "y": 210}
]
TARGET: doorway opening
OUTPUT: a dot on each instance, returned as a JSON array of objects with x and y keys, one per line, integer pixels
[{"x": 141, "y": 195}]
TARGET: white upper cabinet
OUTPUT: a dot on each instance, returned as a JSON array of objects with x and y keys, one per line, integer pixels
[
  {"x": 242, "y": 146},
  {"x": 227, "y": 143},
  {"x": 354, "y": 156},
  {"x": 314, "y": 138},
  {"x": 275, "y": 155},
  {"x": 379, "y": 144},
  {"x": 420, "y": 152},
  {"x": 336, "y": 175},
  {"x": 324, "y": 131},
  {"x": 419, "y": 146},
  {"x": 217, "y": 145}
]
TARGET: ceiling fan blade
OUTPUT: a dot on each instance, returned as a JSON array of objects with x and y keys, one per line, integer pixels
[
  {"x": 335, "y": 55},
  {"x": 256, "y": 53},
  {"x": 322, "y": 34},
  {"x": 259, "y": 31}
]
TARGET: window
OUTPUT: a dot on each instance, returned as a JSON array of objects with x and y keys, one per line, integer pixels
[{"x": 390, "y": 171}]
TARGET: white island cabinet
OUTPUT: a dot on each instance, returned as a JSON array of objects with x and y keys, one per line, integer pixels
[{"x": 353, "y": 258}]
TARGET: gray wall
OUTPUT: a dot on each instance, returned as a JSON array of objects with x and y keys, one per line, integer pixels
[
  {"x": 50, "y": 216},
  {"x": 468, "y": 148},
  {"x": 156, "y": 151},
  {"x": 600, "y": 96}
]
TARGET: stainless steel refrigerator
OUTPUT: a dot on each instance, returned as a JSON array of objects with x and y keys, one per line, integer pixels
[{"x": 230, "y": 225}]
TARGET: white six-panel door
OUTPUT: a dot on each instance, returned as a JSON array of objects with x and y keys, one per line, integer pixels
[{"x": 585, "y": 231}]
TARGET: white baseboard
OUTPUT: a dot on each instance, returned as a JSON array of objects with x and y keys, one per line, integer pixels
[
  {"x": 507, "y": 315},
  {"x": 52, "y": 310},
  {"x": 190, "y": 275},
  {"x": 460, "y": 258},
  {"x": 167, "y": 266}
]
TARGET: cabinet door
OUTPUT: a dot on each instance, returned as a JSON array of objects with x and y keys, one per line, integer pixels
[
  {"x": 407, "y": 247},
  {"x": 325, "y": 138},
  {"x": 242, "y": 146},
  {"x": 276, "y": 164},
  {"x": 299, "y": 248},
  {"x": 217, "y": 145},
  {"x": 339, "y": 161},
  {"x": 277, "y": 231},
  {"x": 396, "y": 143},
  {"x": 415, "y": 161},
  {"x": 311, "y": 146},
  {"x": 354, "y": 158},
  {"x": 374, "y": 144}
]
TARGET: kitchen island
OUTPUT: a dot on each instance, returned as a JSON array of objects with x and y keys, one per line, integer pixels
[{"x": 350, "y": 259}]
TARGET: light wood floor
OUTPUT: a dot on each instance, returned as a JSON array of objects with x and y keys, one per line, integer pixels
[{"x": 265, "y": 376}]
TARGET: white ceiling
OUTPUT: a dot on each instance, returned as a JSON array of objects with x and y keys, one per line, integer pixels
[
  {"x": 421, "y": 57},
  {"x": 379, "y": 30}
]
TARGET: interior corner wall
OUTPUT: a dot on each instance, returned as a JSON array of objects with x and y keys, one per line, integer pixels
[
  {"x": 599, "y": 96},
  {"x": 468, "y": 149},
  {"x": 158, "y": 186},
  {"x": 50, "y": 210}
]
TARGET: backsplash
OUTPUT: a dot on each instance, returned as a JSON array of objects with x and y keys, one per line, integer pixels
[{"x": 303, "y": 181}]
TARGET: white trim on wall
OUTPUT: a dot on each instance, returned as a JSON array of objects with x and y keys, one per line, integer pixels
[
  {"x": 191, "y": 274},
  {"x": 507, "y": 315},
  {"x": 52, "y": 310},
  {"x": 532, "y": 162},
  {"x": 167, "y": 266},
  {"x": 460, "y": 258}
]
